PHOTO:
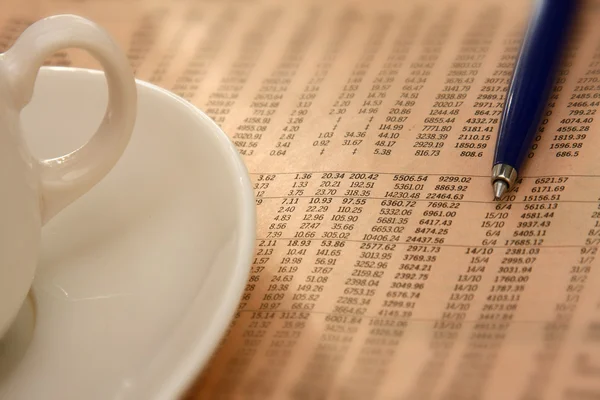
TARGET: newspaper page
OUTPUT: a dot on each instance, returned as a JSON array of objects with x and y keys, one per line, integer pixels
[{"x": 384, "y": 269}]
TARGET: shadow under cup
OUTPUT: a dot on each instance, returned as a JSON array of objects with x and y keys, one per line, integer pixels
[{"x": 16, "y": 340}]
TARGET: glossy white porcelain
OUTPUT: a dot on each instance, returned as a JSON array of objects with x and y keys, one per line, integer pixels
[
  {"x": 34, "y": 190},
  {"x": 139, "y": 278}
]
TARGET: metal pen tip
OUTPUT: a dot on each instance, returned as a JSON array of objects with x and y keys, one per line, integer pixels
[{"x": 500, "y": 188}]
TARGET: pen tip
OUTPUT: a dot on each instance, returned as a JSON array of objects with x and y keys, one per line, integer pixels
[{"x": 500, "y": 188}]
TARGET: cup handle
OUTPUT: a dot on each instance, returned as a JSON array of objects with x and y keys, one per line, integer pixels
[{"x": 64, "y": 179}]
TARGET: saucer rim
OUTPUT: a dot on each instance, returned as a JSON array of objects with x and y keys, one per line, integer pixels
[{"x": 182, "y": 376}]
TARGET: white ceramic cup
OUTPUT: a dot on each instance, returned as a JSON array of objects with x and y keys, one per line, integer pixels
[{"x": 32, "y": 190}]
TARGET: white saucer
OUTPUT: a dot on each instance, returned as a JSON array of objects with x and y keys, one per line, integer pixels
[{"x": 139, "y": 279}]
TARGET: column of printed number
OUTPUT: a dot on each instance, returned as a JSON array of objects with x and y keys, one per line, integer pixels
[
  {"x": 265, "y": 103},
  {"x": 381, "y": 263},
  {"x": 288, "y": 324},
  {"x": 379, "y": 27},
  {"x": 144, "y": 37},
  {"x": 467, "y": 277},
  {"x": 382, "y": 84},
  {"x": 341, "y": 319},
  {"x": 576, "y": 122},
  {"x": 163, "y": 67},
  {"x": 417, "y": 250},
  {"x": 581, "y": 365},
  {"x": 458, "y": 83},
  {"x": 344, "y": 26},
  {"x": 305, "y": 247},
  {"x": 223, "y": 100},
  {"x": 382, "y": 87},
  {"x": 205, "y": 53},
  {"x": 282, "y": 238},
  {"x": 576, "y": 274},
  {"x": 520, "y": 247},
  {"x": 478, "y": 131},
  {"x": 419, "y": 72},
  {"x": 551, "y": 125},
  {"x": 332, "y": 236}
]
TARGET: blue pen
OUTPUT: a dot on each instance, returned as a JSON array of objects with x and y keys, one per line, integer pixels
[{"x": 532, "y": 80}]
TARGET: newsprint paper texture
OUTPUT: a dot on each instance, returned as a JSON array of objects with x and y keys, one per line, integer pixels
[{"x": 383, "y": 267}]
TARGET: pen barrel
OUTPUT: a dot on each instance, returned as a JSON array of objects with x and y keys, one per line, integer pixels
[{"x": 533, "y": 78}]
